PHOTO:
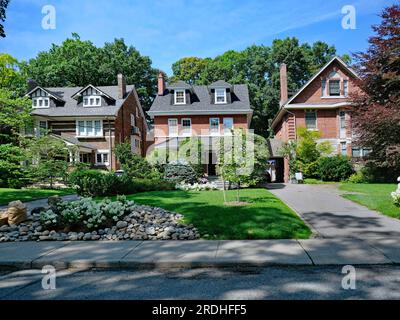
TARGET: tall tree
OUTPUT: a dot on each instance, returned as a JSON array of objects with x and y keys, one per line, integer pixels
[
  {"x": 189, "y": 69},
  {"x": 3, "y": 7},
  {"x": 377, "y": 120},
  {"x": 77, "y": 63}
]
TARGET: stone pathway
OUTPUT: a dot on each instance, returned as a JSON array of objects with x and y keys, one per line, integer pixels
[{"x": 332, "y": 216}]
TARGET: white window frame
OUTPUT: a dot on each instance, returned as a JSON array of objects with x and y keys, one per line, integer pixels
[
  {"x": 102, "y": 153},
  {"x": 343, "y": 143},
  {"x": 226, "y": 131},
  {"x": 187, "y": 133},
  {"x": 329, "y": 88},
  {"x": 216, "y": 96},
  {"x": 87, "y": 134},
  {"x": 316, "y": 119},
  {"x": 175, "y": 134},
  {"x": 94, "y": 97},
  {"x": 345, "y": 88},
  {"x": 176, "y": 96},
  {"x": 43, "y": 99},
  {"x": 213, "y": 132},
  {"x": 324, "y": 87}
]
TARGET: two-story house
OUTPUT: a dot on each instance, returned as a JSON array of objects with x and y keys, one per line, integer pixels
[
  {"x": 181, "y": 110},
  {"x": 322, "y": 104},
  {"x": 94, "y": 119}
]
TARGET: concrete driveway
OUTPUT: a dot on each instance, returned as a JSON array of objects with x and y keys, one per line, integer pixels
[{"x": 332, "y": 216}]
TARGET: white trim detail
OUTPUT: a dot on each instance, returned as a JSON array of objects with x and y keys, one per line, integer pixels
[
  {"x": 176, "y": 96},
  {"x": 91, "y": 101},
  {"x": 89, "y": 130},
  {"x": 174, "y": 134},
  {"x": 219, "y": 96},
  {"x": 189, "y": 132},
  {"x": 41, "y": 103},
  {"x": 102, "y": 154}
]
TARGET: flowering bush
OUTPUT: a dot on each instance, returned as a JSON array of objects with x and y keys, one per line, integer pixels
[
  {"x": 197, "y": 186},
  {"x": 49, "y": 218},
  {"x": 86, "y": 213},
  {"x": 396, "y": 197}
]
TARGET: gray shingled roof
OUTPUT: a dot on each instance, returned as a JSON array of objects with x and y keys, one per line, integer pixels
[
  {"x": 70, "y": 107},
  {"x": 220, "y": 84},
  {"x": 179, "y": 85},
  {"x": 75, "y": 141},
  {"x": 202, "y": 105}
]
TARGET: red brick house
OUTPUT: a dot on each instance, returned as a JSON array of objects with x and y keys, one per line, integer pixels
[
  {"x": 321, "y": 104},
  {"x": 181, "y": 110},
  {"x": 92, "y": 119}
]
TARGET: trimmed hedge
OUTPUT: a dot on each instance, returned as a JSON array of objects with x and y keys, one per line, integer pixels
[
  {"x": 94, "y": 183},
  {"x": 337, "y": 168}
]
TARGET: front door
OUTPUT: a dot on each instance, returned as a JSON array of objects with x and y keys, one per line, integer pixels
[{"x": 211, "y": 164}]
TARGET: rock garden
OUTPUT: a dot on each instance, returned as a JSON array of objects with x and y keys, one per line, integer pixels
[{"x": 89, "y": 220}]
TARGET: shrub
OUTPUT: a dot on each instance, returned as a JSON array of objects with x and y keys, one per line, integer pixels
[
  {"x": 179, "y": 172},
  {"x": 86, "y": 213},
  {"x": 396, "y": 198},
  {"x": 337, "y": 168},
  {"x": 197, "y": 186},
  {"x": 95, "y": 183}
]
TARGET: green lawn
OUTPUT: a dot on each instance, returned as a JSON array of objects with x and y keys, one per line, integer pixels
[
  {"x": 374, "y": 196},
  {"x": 265, "y": 217},
  {"x": 8, "y": 195}
]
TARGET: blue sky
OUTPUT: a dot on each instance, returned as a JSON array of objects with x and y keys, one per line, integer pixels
[{"x": 167, "y": 30}]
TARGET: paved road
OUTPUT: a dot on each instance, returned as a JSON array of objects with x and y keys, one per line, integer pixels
[
  {"x": 332, "y": 216},
  {"x": 267, "y": 283}
]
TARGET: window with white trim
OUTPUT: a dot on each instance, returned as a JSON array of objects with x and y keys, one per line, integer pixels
[
  {"x": 40, "y": 102},
  {"x": 214, "y": 126},
  {"x": 323, "y": 86},
  {"x": 89, "y": 128},
  {"x": 220, "y": 95},
  {"x": 228, "y": 125},
  {"x": 343, "y": 148},
  {"x": 334, "y": 88},
  {"x": 92, "y": 101},
  {"x": 311, "y": 120},
  {"x": 173, "y": 127},
  {"x": 186, "y": 127},
  {"x": 180, "y": 97},
  {"x": 102, "y": 158}
]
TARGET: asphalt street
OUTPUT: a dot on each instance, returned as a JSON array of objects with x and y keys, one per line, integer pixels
[{"x": 372, "y": 282}]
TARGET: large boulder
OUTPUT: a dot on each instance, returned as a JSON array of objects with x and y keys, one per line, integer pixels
[
  {"x": 3, "y": 218},
  {"x": 17, "y": 213}
]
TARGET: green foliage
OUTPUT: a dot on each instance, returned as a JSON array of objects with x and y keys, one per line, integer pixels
[
  {"x": 337, "y": 168},
  {"x": 134, "y": 165},
  {"x": 3, "y": 7},
  {"x": 361, "y": 176},
  {"x": 12, "y": 174},
  {"x": 96, "y": 183},
  {"x": 77, "y": 63},
  {"x": 50, "y": 159},
  {"x": 86, "y": 213},
  {"x": 180, "y": 172}
]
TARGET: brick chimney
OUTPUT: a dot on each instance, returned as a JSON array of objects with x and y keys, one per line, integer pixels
[
  {"x": 121, "y": 86},
  {"x": 161, "y": 83},
  {"x": 284, "y": 86}
]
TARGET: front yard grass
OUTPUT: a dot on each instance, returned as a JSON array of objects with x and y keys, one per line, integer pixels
[
  {"x": 373, "y": 196},
  {"x": 265, "y": 217},
  {"x": 8, "y": 195}
]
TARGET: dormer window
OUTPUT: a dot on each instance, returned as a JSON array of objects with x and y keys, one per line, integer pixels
[
  {"x": 180, "y": 97},
  {"x": 220, "y": 96},
  {"x": 40, "y": 102},
  {"x": 91, "y": 101}
]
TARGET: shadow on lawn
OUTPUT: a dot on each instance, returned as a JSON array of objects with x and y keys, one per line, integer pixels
[{"x": 265, "y": 217}]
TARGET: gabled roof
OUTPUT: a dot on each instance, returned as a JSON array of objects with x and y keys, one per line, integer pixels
[
  {"x": 336, "y": 58},
  {"x": 179, "y": 85},
  {"x": 52, "y": 94},
  {"x": 71, "y": 109},
  {"x": 91, "y": 86},
  {"x": 201, "y": 103},
  {"x": 220, "y": 84}
]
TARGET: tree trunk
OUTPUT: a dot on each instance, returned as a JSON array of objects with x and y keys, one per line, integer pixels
[
  {"x": 223, "y": 190},
  {"x": 237, "y": 193}
]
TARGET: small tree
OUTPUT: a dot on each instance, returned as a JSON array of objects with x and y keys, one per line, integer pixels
[
  {"x": 49, "y": 158},
  {"x": 242, "y": 159}
]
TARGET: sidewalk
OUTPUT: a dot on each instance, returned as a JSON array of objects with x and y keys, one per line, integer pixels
[{"x": 189, "y": 254}]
